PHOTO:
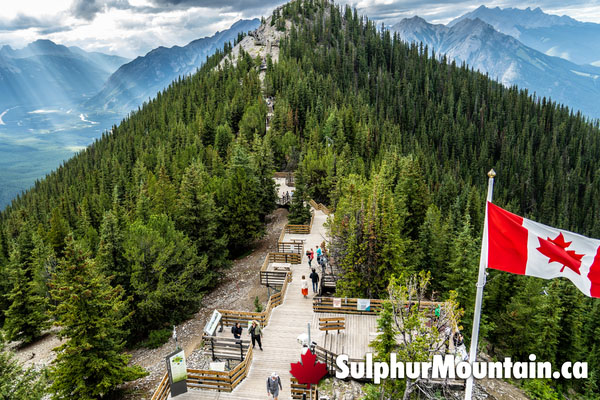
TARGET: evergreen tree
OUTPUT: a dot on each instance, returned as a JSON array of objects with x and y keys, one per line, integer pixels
[
  {"x": 18, "y": 383},
  {"x": 26, "y": 317},
  {"x": 300, "y": 213},
  {"x": 92, "y": 315},
  {"x": 198, "y": 216},
  {"x": 111, "y": 259},
  {"x": 463, "y": 268},
  {"x": 167, "y": 275}
]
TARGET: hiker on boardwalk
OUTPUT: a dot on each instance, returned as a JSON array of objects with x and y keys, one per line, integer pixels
[
  {"x": 314, "y": 277},
  {"x": 273, "y": 386},
  {"x": 319, "y": 254},
  {"x": 304, "y": 285},
  {"x": 237, "y": 330},
  {"x": 310, "y": 254},
  {"x": 255, "y": 333}
]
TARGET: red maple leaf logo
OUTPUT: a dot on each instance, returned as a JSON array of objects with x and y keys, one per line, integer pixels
[
  {"x": 556, "y": 250},
  {"x": 309, "y": 370}
]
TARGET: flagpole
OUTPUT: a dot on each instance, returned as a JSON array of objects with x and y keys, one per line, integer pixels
[{"x": 480, "y": 284}]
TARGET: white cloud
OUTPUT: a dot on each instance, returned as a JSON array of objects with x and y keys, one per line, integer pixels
[{"x": 134, "y": 27}]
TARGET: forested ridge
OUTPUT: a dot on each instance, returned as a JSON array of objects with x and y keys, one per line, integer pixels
[{"x": 396, "y": 142}]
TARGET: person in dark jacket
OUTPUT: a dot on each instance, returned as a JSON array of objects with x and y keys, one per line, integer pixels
[
  {"x": 314, "y": 277},
  {"x": 273, "y": 386},
  {"x": 237, "y": 331}
]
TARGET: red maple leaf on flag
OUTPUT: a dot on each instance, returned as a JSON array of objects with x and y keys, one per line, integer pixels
[
  {"x": 556, "y": 250},
  {"x": 309, "y": 370}
]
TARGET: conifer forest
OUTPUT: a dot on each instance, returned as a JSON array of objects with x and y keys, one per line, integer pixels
[{"x": 126, "y": 237}]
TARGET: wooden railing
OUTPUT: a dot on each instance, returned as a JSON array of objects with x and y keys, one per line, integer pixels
[
  {"x": 292, "y": 258},
  {"x": 222, "y": 381},
  {"x": 274, "y": 279},
  {"x": 289, "y": 177},
  {"x": 319, "y": 206},
  {"x": 290, "y": 247},
  {"x": 163, "y": 390},
  {"x": 299, "y": 390},
  {"x": 297, "y": 229},
  {"x": 349, "y": 306},
  {"x": 329, "y": 358},
  {"x": 225, "y": 348},
  {"x": 227, "y": 381}
]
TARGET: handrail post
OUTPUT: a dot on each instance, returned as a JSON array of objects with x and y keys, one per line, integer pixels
[{"x": 212, "y": 348}]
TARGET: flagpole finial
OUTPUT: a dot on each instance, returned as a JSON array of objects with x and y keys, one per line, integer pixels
[{"x": 492, "y": 173}]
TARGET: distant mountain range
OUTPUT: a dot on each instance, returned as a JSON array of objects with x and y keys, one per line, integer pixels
[
  {"x": 507, "y": 59},
  {"x": 45, "y": 73},
  {"x": 45, "y": 88},
  {"x": 553, "y": 35},
  {"x": 140, "y": 79}
]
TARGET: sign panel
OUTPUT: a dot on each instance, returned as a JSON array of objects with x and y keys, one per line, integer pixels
[
  {"x": 177, "y": 372},
  {"x": 212, "y": 323},
  {"x": 337, "y": 302},
  {"x": 217, "y": 366},
  {"x": 363, "y": 304}
]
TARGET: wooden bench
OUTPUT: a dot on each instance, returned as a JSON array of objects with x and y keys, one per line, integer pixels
[
  {"x": 332, "y": 324},
  {"x": 220, "y": 348}
]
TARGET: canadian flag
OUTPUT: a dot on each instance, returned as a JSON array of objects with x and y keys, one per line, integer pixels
[{"x": 524, "y": 247}]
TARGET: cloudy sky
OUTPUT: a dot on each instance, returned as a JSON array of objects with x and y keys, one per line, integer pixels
[{"x": 134, "y": 27}]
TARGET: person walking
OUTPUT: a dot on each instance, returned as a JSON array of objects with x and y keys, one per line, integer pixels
[
  {"x": 237, "y": 330},
  {"x": 273, "y": 386},
  {"x": 304, "y": 285},
  {"x": 255, "y": 333},
  {"x": 310, "y": 254},
  {"x": 319, "y": 254},
  {"x": 314, "y": 277}
]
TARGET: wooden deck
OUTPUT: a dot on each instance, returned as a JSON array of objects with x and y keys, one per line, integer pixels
[
  {"x": 280, "y": 345},
  {"x": 353, "y": 340}
]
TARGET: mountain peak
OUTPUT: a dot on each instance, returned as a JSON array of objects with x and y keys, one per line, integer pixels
[{"x": 511, "y": 20}]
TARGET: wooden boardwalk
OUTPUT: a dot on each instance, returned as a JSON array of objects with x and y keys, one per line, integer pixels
[{"x": 280, "y": 345}]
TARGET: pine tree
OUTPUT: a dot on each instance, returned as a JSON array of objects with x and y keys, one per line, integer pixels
[
  {"x": 462, "y": 270},
  {"x": 26, "y": 317},
  {"x": 198, "y": 216},
  {"x": 92, "y": 315},
  {"x": 18, "y": 383},
  {"x": 111, "y": 259},
  {"x": 299, "y": 209}
]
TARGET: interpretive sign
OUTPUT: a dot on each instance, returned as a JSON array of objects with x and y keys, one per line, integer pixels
[
  {"x": 177, "y": 372},
  {"x": 212, "y": 323}
]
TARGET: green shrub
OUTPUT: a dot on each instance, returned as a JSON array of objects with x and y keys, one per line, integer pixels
[
  {"x": 257, "y": 306},
  {"x": 157, "y": 338},
  {"x": 540, "y": 389}
]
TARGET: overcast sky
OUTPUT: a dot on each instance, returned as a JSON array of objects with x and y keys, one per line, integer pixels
[{"x": 134, "y": 27}]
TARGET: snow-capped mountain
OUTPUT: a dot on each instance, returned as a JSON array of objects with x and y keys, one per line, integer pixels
[
  {"x": 511, "y": 62},
  {"x": 554, "y": 35},
  {"x": 139, "y": 80}
]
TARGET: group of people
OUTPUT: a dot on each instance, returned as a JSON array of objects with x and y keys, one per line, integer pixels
[
  {"x": 254, "y": 331},
  {"x": 274, "y": 382},
  {"x": 314, "y": 277},
  {"x": 321, "y": 257}
]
